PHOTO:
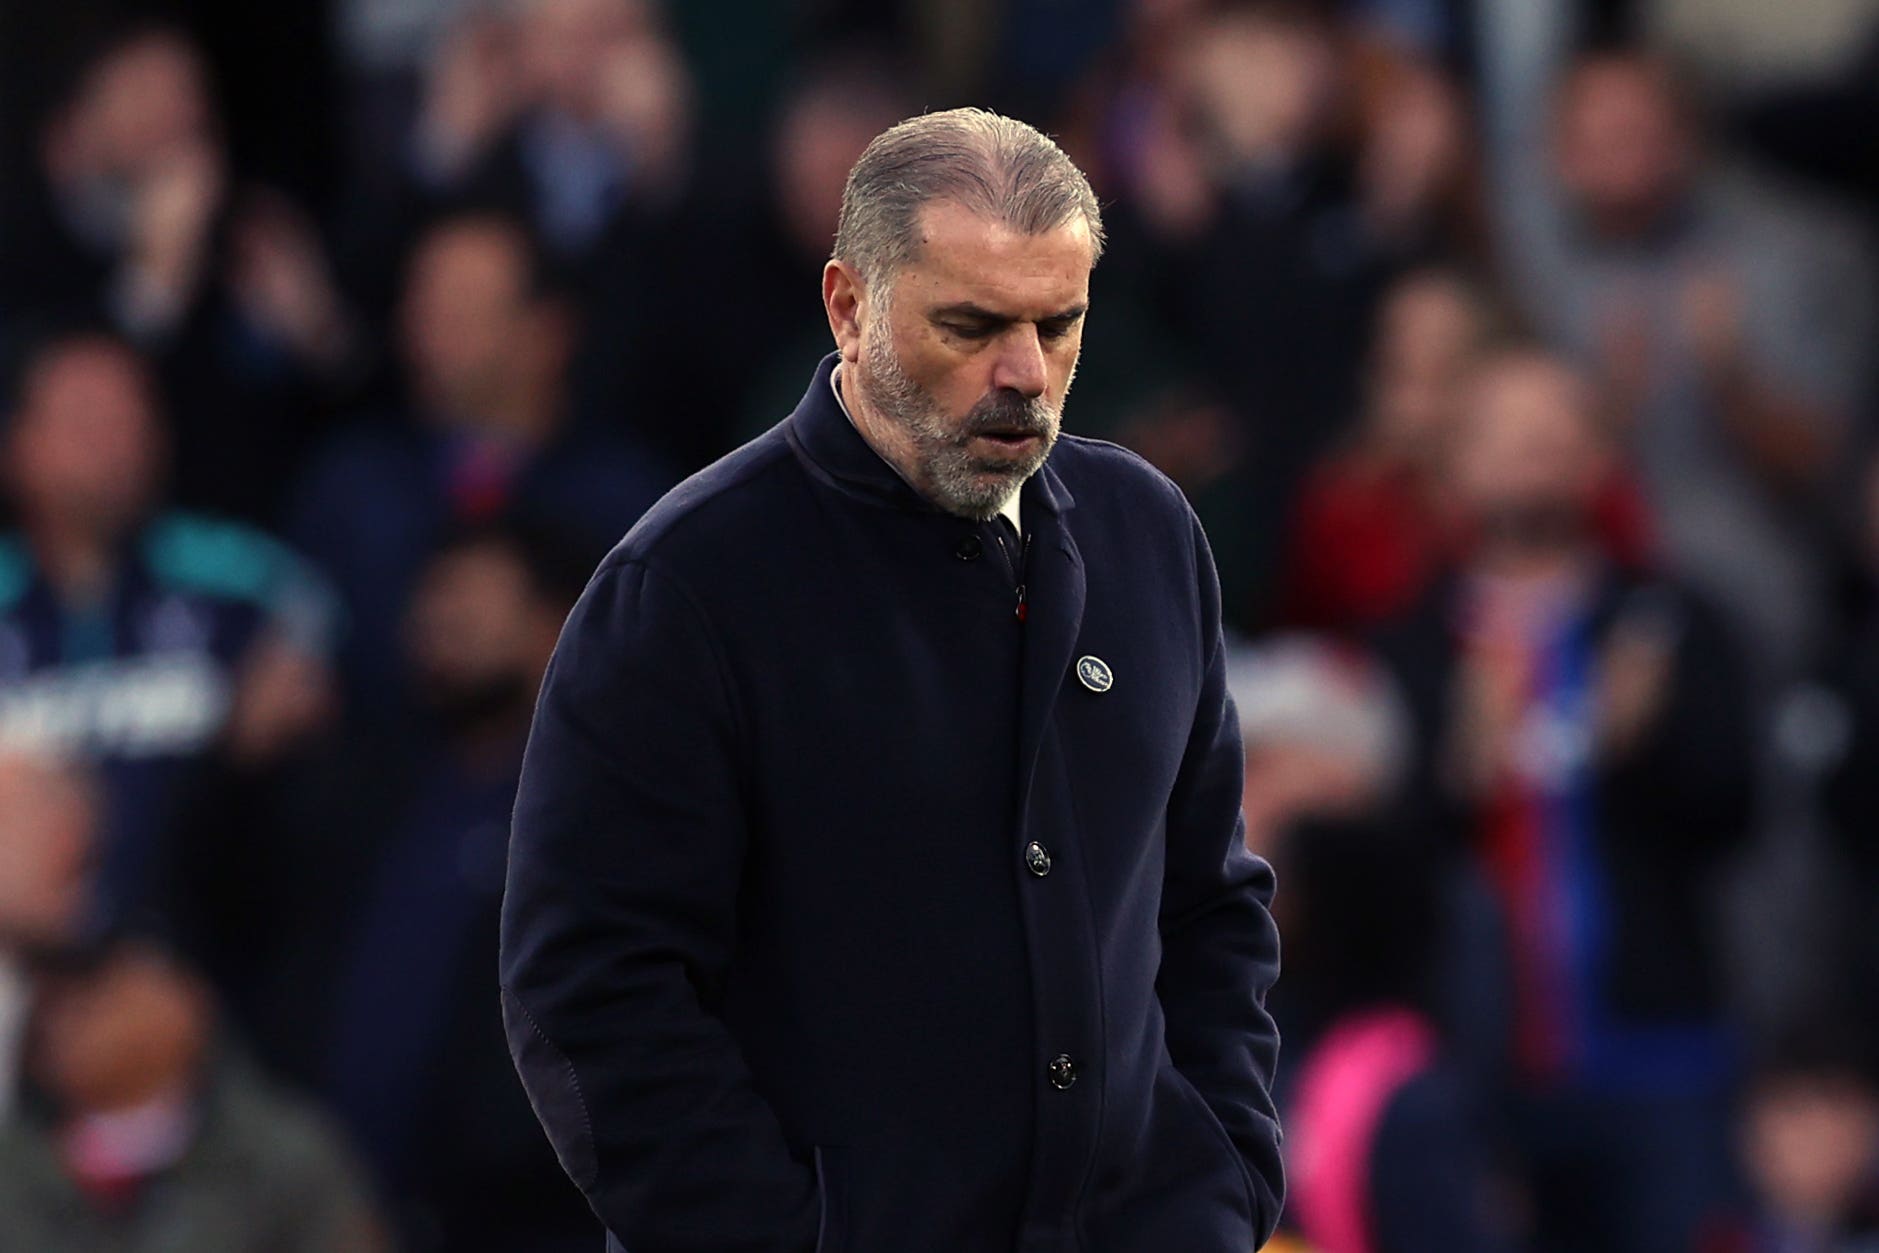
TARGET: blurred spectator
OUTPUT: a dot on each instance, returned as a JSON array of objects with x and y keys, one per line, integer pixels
[
  {"x": 385, "y": 1008},
  {"x": 1369, "y": 531},
  {"x": 1390, "y": 1146},
  {"x": 148, "y": 1133},
  {"x": 1808, "y": 1133},
  {"x": 1387, "y": 1144},
  {"x": 1730, "y": 325},
  {"x": 486, "y": 340},
  {"x": 134, "y": 218},
  {"x": 1584, "y": 742},
  {"x": 46, "y": 852},
  {"x": 1260, "y": 231},
  {"x": 575, "y": 119},
  {"x": 154, "y": 642},
  {"x": 1373, "y": 524},
  {"x": 1418, "y": 175},
  {"x": 1324, "y": 731},
  {"x": 565, "y": 117},
  {"x": 773, "y": 250},
  {"x": 1326, "y": 742}
]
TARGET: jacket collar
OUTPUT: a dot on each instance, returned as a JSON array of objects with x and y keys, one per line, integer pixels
[{"x": 835, "y": 451}]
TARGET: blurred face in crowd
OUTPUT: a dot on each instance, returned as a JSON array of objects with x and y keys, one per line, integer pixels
[
  {"x": 1808, "y": 1143},
  {"x": 964, "y": 356},
  {"x": 568, "y": 45},
  {"x": 123, "y": 1034},
  {"x": 1624, "y": 148},
  {"x": 119, "y": 1036},
  {"x": 479, "y": 634},
  {"x": 85, "y": 451},
  {"x": 819, "y": 141},
  {"x": 1259, "y": 85},
  {"x": 138, "y": 108},
  {"x": 1428, "y": 330},
  {"x": 1528, "y": 454},
  {"x": 645, "y": 99},
  {"x": 473, "y": 331},
  {"x": 46, "y": 846}
]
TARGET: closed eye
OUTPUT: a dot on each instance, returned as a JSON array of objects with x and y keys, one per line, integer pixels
[{"x": 972, "y": 330}]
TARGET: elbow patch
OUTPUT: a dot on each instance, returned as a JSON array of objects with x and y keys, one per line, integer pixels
[{"x": 554, "y": 1092}]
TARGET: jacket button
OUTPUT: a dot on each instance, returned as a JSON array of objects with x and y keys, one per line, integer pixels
[
  {"x": 1063, "y": 1072},
  {"x": 970, "y": 548},
  {"x": 1037, "y": 859}
]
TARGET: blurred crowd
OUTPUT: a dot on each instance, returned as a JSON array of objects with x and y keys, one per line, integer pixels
[{"x": 1519, "y": 358}]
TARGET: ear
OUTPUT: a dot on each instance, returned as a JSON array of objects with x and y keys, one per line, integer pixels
[{"x": 842, "y": 290}]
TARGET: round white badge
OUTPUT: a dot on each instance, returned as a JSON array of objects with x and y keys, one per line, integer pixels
[{"x": 1094, "y": 673}]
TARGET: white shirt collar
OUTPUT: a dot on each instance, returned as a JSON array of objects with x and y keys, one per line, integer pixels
[{"x": 1009, "y": 509}]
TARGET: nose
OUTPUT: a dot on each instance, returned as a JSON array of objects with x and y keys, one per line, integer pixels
[{"x": 1020, "y": 365}]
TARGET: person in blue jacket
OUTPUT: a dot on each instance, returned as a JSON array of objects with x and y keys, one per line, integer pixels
[{"x": 876, "y": 882}]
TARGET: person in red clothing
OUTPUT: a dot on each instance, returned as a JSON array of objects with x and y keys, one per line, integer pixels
[
  {"x": 1367, "y": 532},
  {"x": 1371, "y": 530}
]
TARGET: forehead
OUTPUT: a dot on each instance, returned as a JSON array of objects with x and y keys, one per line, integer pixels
[
  {"x": 476, "y": 255},
  {"x": 1619, "y": 89},
  {"x": 87, "y": 364},
  {"x": 966, "y": 256}
]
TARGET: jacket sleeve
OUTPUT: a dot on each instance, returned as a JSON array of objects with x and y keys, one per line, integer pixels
[
  {"x": 1220, "y": 949},
  {"x": 618, "y": 926}
]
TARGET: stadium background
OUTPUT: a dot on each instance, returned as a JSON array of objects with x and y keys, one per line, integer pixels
[{"x": 1519, "y": 358}]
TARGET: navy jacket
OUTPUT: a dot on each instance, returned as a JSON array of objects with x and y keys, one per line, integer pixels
[{"x": 844, "y": 916}]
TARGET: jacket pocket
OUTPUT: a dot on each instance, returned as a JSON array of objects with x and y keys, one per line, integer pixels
[
  {"x": 832, "y": 1186},
  {"x": 1217, "y": 1129}
]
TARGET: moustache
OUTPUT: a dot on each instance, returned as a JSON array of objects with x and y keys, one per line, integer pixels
[{"x": 1008, "y": 413}]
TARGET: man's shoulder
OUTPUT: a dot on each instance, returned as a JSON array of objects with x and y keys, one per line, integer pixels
[
  {"x": 1102, "y": 474},
  {"x": 717, "y": 511}
]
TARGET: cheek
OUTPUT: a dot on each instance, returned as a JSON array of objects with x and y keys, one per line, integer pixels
[
  {"x": 956, "y": 381},
  {"x": 1063, "y": 363}
]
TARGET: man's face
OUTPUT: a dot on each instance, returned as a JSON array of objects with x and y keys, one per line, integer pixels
[
  {"x": 1528, "y": 454},
  {"x": 566, "y": 45},
  {"x": 1259, "y": 86},
  {"x": 118, "y": 1036},
  {"x": 1808, "y": 1143},
  {"x": 1623, "y": 151},
  {"x": 971, "y": 350},
  {"x": 1427, "y": 329},
  {"x": 474, "y": 633},
  {"x": 85, "y": 447},
  {"x": 818, "y": 141},
  {"x": 142, "y": 105},
  {"x": 464, "y": 314}
]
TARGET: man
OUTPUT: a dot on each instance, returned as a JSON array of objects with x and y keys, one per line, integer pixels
[
  {"x": 491, "y": 433},
  {"x": 1586, "y": 751},
  {"x": 384, "y": 1003},
  {"x": 147, "y": 1131},
  {"x": 1729, "y": 320},
  {"x": 160, "y": 645},
  {"x": 135, "y": 216},
  {"x": 876, "y": 878}
]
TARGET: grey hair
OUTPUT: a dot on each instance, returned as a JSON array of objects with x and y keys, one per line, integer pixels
[{"x": 990, "y": 164}]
